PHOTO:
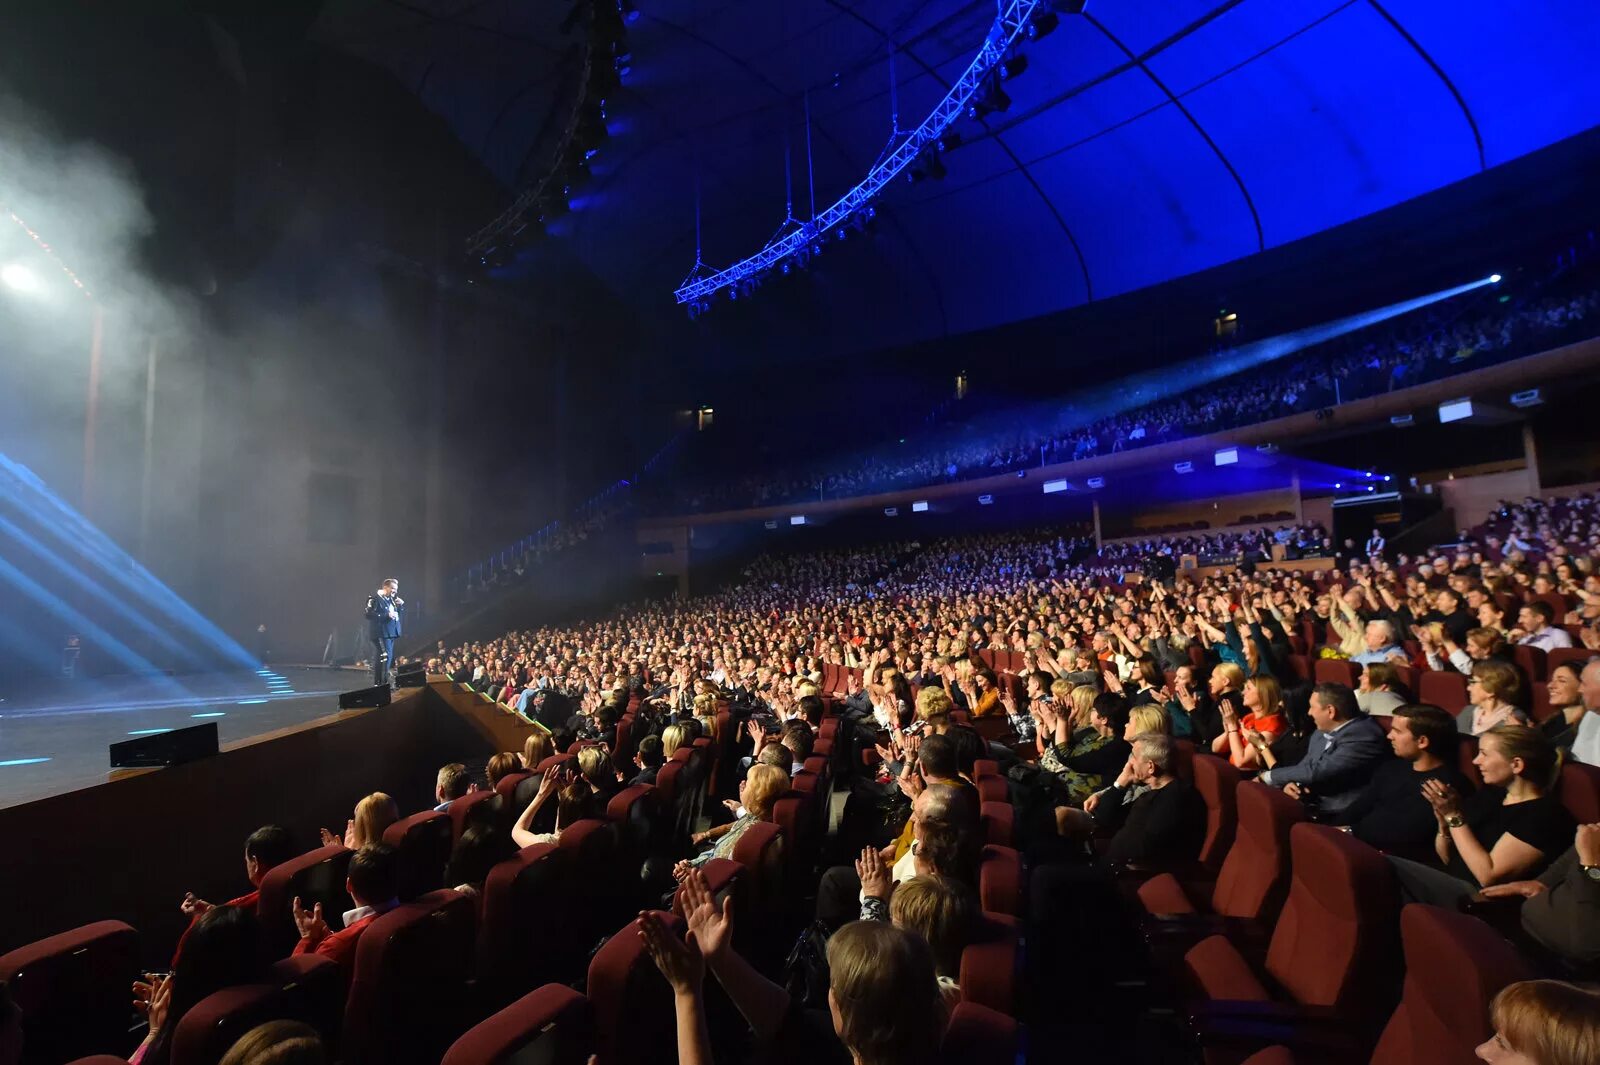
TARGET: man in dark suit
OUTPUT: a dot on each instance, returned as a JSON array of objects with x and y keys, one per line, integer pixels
[
  {"x": 384, "y": 611},
  {"x": 1343, "y": 755}
]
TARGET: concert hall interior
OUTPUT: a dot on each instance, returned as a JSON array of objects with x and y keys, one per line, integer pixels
[{"x": 740, "y": 531}]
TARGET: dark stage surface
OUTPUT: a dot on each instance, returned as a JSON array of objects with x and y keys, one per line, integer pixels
[{"x": 56, "y": 738}]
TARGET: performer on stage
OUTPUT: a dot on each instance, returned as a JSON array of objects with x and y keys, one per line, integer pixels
[{"x": 384, "y": 611}]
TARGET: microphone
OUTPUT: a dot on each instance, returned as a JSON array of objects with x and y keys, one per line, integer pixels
[{"x": 398, "y": 601}]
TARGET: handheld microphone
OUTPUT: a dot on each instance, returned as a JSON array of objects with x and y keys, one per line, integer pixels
[{"x": 398, "y": 601}]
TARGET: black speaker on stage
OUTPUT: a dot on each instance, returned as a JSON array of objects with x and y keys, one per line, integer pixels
[
  {"x": 411, "y": 677},
  {"x": 364, "y": 697},
  {"x": 166, "y": 748}
]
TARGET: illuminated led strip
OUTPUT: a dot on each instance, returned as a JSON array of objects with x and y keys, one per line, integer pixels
[
  {"x": 1010, "y": 25},
  {"x": 45, "y": 247}
]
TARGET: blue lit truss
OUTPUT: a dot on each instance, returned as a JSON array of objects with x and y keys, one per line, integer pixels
[{"x": 1011, "y": 24}]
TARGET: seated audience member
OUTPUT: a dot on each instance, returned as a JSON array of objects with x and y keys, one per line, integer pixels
[
  {"x": 1083, "y": 767},
  {"x": 1562, "y": 909},
  {"x": 481, "y": 847},
  {"x": 1380, "y": 641},
  {"x": 223, "y": 949},
  {"x": 1566, "y": 705},
  {"x": 374, "y": 814},
  {"x": 373, "y": 881},
  {"x": 648, "y": 759},
  {"x": 575, "y": 802},
  {"x": 1344, "y": 753},
  {"x": 1149, "y": 814},
  {"x": 278, "y": 1043},
  {"x": 1378, "y": 692},
  {"x": 941, "y": 838},
  {"x": 1543, "y": 1022},
  {"x": 501, "y": 765},
  {"x": 1392, "y": 813},
  {"x": 266, "y": 847},
  {"x": 452, "y": 784},
  {"x": 1536, "y": 626},
  {"x": 1586, "y": 738},
  {"x": 536, "y": 748},
  {"x": 1191, "y": 710},
  {"x": 944, "y": 913},
  {"x": 594, "y": 765},
  {"x": 1263, "y": 701},
  {"x": 671, "y": 740},
  {"x": 1509, "y": 829},
  {"x": 758, "y": 792},
  {"x": 1494, "y": 697}
]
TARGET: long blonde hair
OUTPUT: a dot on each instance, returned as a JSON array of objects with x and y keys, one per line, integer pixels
[{"x": 374, "y": 814}]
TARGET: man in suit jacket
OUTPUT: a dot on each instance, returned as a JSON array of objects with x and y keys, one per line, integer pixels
[
  {"x": 1344, "y": 753},
  {"x": 384, "y": 611},
  {"x": 373, "y": 881}
]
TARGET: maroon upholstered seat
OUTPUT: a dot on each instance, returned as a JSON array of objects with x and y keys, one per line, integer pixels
[
  {"x": 422, "y": 845},
  {"x": 408, "y": 993},
  {"x": 1333, "y": 943},
  {"x": 993, "y": 789},
  {"x": 989, "y": 963},
  {"x": 217, "y": 1021},
  {"x": 1531, "y": 660},
  {"x": 1335, "y": 671},
  {"x": 1254, "y": 875},
  {"x": 999, "y": 823},
  {"x": 978, "y": 1035},
  {"x": 73, "y": 989},
  {"x": 506, "y": 786},
  {"x": 762, "y": 851},
  {"x": 1455, "y": 965},
  {"x": 636, "y": 811},
  {"x": 1580, "y": 791},
  {"x": 313, "y": 877},
  {"x": 633, "y": 1013},
  {"x": 1217, "y": 781},
  {"x": 1576, "y": 655},
  {"x": 553, "y": 1025},
  {"x": 1000, "y": 881},
  {"x": 1445, "y": 689},
  {"x": 464, "y": 808},
  {"x": 519, "y": 946},
  {"x": 593, "y": 846}
]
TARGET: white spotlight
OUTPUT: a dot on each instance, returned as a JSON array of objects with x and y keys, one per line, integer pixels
[
  {"x": 1494, "y": 279},
  {"x": 19, "y": 277}
]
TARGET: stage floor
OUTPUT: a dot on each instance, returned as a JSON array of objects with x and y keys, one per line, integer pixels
[{"x": 55, "y": 739}]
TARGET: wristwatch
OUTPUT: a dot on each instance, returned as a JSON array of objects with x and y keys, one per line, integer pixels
[
  {"x": 1454, "y": 821},
  {"x": 1591, "y": 871}
]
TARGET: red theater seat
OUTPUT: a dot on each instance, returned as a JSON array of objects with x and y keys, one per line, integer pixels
[
  {"x": 462, "y": 810},
  {"x": 316, "y": 876},
  {"x": 989, "y": 964},
  {"x": 422, "y": 844},
  {"x": 1580, "y": 791},
  {"x": 999, "y": 823},
  {"x": 519, "y": 946},
  {"x": 552, "y": 1026},
  {"x": 300, "y": 991},
  {"x": 993, "y": 789},
  {"x": 633, "y": 1012},
  {"x": 408, "y": 996},
  {"x": 1217, "y": 781},
  {"x": 73, "y": 989},
  {"x": 1335, "y": 671},
  {"x": 1000, "y": 881},
  {"x": 1532, "y": 662},
  {"x": 978, "y": 1035},
  {"x": 1444, "y": 689}
]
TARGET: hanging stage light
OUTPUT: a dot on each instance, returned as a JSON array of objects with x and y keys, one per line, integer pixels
[
  {"x": 1041, "y": 24},
  {"x": 988, "y": 99},
  {"x": 927, "y": 167},
  {"x": 951, "y": 139},
  {"x": 1013, "y": 67}
]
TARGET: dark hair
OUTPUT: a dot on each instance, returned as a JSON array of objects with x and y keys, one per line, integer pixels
[
  {"x": 811, "y": 708},
  {"x": 969, "y": 747},
  {"x": 798, "y": 737},
  {"x": 1542, "y": 608},
  {"x": 270, "y": 845},
  {"x": 221, "y": 950},
  {"x": 480, "y": 848},
  {"x": 937, "y": 757},
  {"x": 1340, "y": 698},
  {"x": 650, "y": 752},
  {"x": 1114, "y": 708},
  {"x": 1149, "y": 672},
  {"x": 951, "y": 849},
  {"x": 1429, "y": 722},
  {"x": 375, "y": 873}
]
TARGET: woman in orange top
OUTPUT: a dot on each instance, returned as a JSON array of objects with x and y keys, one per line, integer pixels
[
  {"x": 985, "y": 700},
  {"x": 1263, "y": 700}
]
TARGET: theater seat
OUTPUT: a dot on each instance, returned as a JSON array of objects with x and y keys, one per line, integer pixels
[
  {"x": 1000, "y": 881},
  {"x": 217, "y": 1021},
  {"x": 422, "y": 845},
  {"x": 519, "y": 946},
  {"x": 1333, "y": 947},
  {"x": 1580, "y": 791},
  {"x": 993, "y": 789},
  {"x": 999, "y": 823},
  {"x": 1217, "y": 781},
  {"x": 462, "y": 810},
  {"x": 408, "y": 995},
  {"x": 73, "y": 989},
  {"x": 551, "y": 1026},
  {"x": 989, "y": 964},
  {"x": 1254, "y": 875},
  {"x": 1335, "y": 671},
  {"x": 593, "y": 846},
  {"x": 633, "y": 1011},
  {"x": 1445, "y": 689},
  {"x": 978, "y": 1035},
  {"x": 316, "y": 876}
]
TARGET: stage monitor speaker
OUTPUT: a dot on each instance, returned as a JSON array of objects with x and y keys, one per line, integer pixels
[
  {"x": 363, "y": 698},
  {"x": 166, "y": 748},
  {"x": 411, "y": 677}
]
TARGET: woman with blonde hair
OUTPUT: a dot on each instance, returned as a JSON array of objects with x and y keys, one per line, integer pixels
[
  {"x": 536, "y": 748},
  {"x": 374, "y": 814},
  {"x": 1543, "y": 1022},
  {"x": 758, "y": 793},
  {"x": 883, "y": 992},
  {"x": 943, "y": 912},
  {"x": 671, "y": 740}
]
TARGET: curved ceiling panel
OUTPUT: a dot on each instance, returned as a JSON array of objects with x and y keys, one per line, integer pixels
[
  {"x": 1526, "y": 71},
  {"x": 1148, "y": 201},
  {"x": 1319, "y": 141}
]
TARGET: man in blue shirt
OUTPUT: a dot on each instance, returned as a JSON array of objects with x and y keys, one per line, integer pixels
[{"x": 1381, "y": 643}]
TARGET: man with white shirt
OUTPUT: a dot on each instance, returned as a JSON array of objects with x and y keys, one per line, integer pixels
[
  {"x": 1586, "y": 745},
  {"x": 1535, "y": 621}
]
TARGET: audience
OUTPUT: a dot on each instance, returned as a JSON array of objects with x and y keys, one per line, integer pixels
[
  {"x": 1494, "y": 696},
  {"x": 373, "y": 881},
  {"x": 266, "y": 847},
  {"x": 1544, "y": 1022},
  {"x": 1392, "y": 813},
  {"x": 452, "y": 784},
  {"x": 278, "y": 1043},
  {"x": 222, "y": 949},
  {"x": 374, "y": 814},
  {"x": 1343, "y": 755},
  {"x": 1562, "y": 911}
]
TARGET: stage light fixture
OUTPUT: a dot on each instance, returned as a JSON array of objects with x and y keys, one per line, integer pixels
[
  {"x": 1494, "y": 279},
  {"x": 1013, "y": 67},
  {"x": 19, "y": 277},
  {"x": 1052, "y": 487},
  {"x": 1454, "y": 410},
  {"x": 1042, "y": 25},
  {"x": 919, "y": 507},
  {"x": 1183, "y": 467},
  {"x": 1226, "y": 456},
  {"x": 927, "y": 167},
  {"x": 990, "y": 98},
  {"x": 798, "y": 519},
  {"x": 891, "y": 512},
  {"x": 770, "y": 524},
  {"x": 1097, "y": 482},
  {"x": 1530, "y": 398},
  {"x": 985, "y": 499},
  {"x": 950, "y": 140},
  {"x": 1401, "y": 421}
]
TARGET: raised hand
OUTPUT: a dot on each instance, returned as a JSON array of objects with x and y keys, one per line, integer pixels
[
  {"x": 193, "y": 906},
  {"x": 876, "y": 880},
  {"x": 679, "y": 960},
  {"x": 710, "y": 921},
  {"x": 310, "y": 922}
]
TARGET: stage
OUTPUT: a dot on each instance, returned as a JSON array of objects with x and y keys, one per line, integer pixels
[{"x": 55, "y": 739}]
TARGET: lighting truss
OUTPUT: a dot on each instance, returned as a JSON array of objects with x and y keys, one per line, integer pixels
[{"x": 1010, "y": 25}]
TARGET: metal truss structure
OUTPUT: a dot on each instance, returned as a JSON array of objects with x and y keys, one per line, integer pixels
[{"x": 1009, "y": 25}]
